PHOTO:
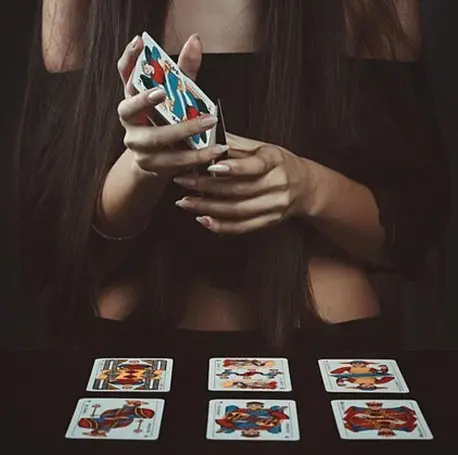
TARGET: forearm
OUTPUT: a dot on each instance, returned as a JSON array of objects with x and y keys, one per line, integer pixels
[
  {"x": 345, "y": 212},
  {"x": 127, "y": 199}
]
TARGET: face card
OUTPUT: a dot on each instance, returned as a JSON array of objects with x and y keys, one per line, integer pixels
[
  {"x": 184, "y": 99},
  {"x": 249, "y": 374},
  {"x": 380, "y": 419},
  {"x": 114, "y": 418},
  {"x": 130, "y": 375},
  {"x": 264, "y": 420},
  {"x": 361, "y": 376}
]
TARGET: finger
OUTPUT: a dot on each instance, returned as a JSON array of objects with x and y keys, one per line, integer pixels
[
  {"x": 233, "y": 209},
  {"x": 147, "y": 138},
  {"x": 251, "y": 166},
  {"x": 228, "y": 227},
  {"x": 126, "y": 62},
  {"x": 190, "y": 57},
  {"x": 178, "y": 160},
  {"x": 131, "y": 108},
  {"x": 226, "y": 187}
]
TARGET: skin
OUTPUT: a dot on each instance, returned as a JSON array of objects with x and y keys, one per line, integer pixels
[{"x": 343, "y": 210}]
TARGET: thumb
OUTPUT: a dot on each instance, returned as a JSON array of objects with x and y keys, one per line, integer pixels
[{"x": 190, "y": 57}]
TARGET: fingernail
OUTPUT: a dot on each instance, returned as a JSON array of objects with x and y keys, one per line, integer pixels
[
  {"x": 219, "y": 168},
  {"x": 220, "y": 149},
  {"x": 204, "y": 221},
  {"x": 185, "y": 181},
  {"x": 156, "y": 94},
  {"x": 135, "y": 41},
  {"x": 183, "y": 203},
  {"x": 207, "y": 121}
]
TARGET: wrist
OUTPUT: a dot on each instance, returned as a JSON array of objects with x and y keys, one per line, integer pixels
[{"x": 310, "y": 197}]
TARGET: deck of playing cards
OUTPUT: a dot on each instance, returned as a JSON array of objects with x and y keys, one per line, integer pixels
[
  {"x": 254, "y": 420},
  {"x": 184, "y": 99},
  {"x": 116, "y": 418},
  {"x": 249, "y": 375}
]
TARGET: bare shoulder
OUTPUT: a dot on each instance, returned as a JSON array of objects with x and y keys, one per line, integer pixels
[
  {"x": 387, "y": 30},
  {"x": 61, "y": 36}
]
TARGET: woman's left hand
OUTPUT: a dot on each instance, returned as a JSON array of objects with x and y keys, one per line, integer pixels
[{"x": 258, "y": 186}]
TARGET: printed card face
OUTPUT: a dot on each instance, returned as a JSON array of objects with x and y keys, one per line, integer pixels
[
  {"x": 249, "y": 374},
  {"x": 113, "y": 418},
  {"x": 131, "y": 375},
  {"x": 362, "y": 376},
  {"x": 184, "y": 99},
  {"x": 380, "y": 419},
  {"x": 263, "y": 420}
]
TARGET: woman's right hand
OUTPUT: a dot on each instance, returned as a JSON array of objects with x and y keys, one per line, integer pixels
[{"x": 152, "y": 147}]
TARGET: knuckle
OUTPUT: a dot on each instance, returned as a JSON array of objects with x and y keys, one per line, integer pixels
[
  {"x": 128, "y": 142},
  {"x": 120, "y": 65}
]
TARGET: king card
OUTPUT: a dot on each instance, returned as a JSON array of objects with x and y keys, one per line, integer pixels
[
  {"x": 380, "y": 419},
  {"x": 263, "y": 420}
]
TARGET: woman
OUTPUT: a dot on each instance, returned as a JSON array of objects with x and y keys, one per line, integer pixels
[{"x": 334, "y": 171}]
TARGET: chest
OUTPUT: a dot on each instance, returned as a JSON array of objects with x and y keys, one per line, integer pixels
[{"x": 222, "y": 26}]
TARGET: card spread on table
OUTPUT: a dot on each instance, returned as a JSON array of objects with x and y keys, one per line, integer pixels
[
  {"x": 249, "y": 374},
  {"x": 130, "y": 375},
  {"x": 380, "y": 419},
  {"x": 116, "y": 418},
  {"x": 254, "y": 420},
  {"x": 184, "y": 99},
  {"x": 362, "y": 376}
]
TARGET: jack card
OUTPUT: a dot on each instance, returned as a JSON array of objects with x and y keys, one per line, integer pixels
[
  {"x": 251, "y": 420},
  {"x": 130, "y": 375},
  {"x": 362, "y": 376},
  {"x": 249, "y": 374},
  {"x": 380, "y": 419},
  {"x": 115, "y": 418}
]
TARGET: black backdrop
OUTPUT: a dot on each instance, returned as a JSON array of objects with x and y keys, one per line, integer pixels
[{"x": 431, "y": 305}]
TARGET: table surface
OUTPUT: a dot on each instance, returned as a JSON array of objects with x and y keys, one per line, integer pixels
[{"x": 42, "y": 389}]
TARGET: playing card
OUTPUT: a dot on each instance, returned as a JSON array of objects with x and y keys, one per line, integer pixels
[
  {"x": 263, "y": 420},
  {"x": 362, "y": 376},
  {"x": 184, "y": 99},
  {"x": 249, "y": 374},
  {"x": 115, "y": 418},
  {"x": 130, "y": 375},
  {"x": 380, "y": 419}
]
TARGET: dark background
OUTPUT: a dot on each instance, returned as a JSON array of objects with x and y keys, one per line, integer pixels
[{"x": 431, "y": 314}]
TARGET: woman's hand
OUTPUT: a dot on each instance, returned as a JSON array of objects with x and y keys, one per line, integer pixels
[
  {"x": 260, "y": 185},
  {"x": 152, "y": 147}
]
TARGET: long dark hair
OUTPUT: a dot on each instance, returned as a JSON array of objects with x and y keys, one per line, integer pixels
[{"x": 70, "y": 136}]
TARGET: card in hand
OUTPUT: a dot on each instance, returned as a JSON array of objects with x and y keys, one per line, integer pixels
[
  {"x": 115, "y": 418},
  {"x": 263, "y": 420},
  {"x": 131, "y": 375},
  {"x": 249, "y": 374},
  {"x": 362, "y": 375},
  {"x": 380, "y": 419},
  {"x": 184, "y": 99}
]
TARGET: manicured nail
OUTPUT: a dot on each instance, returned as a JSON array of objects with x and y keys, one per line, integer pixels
[
  {"x": 205, "y": 221},
  {"x": 156, "y": 95},
  {"x": 183, "y": 203},
  {"x": 135, "y": 41},
  {"x": 219, "y": 168},
  {"x": 219, "y": 149},
  {"x": 207, "y": 121},
  {"x": 185, "y": 181}
]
